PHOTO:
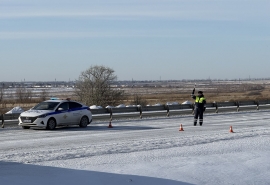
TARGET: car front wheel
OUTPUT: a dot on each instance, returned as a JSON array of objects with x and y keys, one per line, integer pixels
[
  {"x": 51, "y": 124},
  {"x": 84, "y": 122}
]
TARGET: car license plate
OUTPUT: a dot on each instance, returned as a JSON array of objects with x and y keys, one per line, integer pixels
[{"x": 27, "y": 121}]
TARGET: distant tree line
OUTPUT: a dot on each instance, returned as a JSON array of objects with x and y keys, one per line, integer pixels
[
  {"x": 93, "y": 87},
  {"x": 96, "y": 86},
  {"x": 22, "y": 95}
]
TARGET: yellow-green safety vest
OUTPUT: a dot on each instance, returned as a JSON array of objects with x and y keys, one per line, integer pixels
[{"x": 200, "y": 99}]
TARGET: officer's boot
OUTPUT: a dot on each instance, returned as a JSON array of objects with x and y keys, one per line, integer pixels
[
  {"x": 201, "y": 122},
  {"x": 195, "y": 121}
]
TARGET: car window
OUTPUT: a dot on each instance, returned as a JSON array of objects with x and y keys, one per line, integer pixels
[
  {"x": 63, "y": 106},
  {"x": 45, "y": 106},
  {"x": 74, "y": 105}
]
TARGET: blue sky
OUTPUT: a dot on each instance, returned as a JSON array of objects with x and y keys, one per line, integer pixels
[{"x": 140, "y": 39}]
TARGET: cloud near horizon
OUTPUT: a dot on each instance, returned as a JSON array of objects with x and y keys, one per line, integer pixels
[{"x": 179, "y": 10}]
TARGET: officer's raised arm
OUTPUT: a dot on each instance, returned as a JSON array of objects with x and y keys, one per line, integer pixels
[{"x": 192, "y": 94}]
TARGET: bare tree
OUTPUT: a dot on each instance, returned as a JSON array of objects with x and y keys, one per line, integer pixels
[
  {"x": 1, "y": 94},
  {"x": 20, "y": 94},
  {"x": 94, "y": 87},
  {"x": 28, "y": 95},
  {"x": 44, "y": 94},
  {"x": 139, "y": 100},
  {"x": 23, "y": 94}
]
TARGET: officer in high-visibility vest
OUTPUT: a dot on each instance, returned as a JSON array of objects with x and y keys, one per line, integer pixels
[{"x": 199, "y": 108}]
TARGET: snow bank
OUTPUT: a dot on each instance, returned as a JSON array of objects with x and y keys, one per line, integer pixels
[
  {"x": 15, "y": 110},
  {"x": 95, "y": 107},
  {"x": 187, "y": 102}
]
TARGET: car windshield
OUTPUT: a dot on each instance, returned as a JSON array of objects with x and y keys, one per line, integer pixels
[{"x": 45, "y": 106}]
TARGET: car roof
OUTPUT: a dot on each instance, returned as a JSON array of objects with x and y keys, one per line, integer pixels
[{"x": 60, "y": 101}]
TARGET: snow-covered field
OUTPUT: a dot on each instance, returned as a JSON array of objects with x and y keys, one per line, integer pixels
[{"x": 147, "y": 151}]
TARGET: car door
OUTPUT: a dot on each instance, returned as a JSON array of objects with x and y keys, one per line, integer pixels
[
  {"x": 75, "y": 111},
  {"x": 63, "y": 116}
]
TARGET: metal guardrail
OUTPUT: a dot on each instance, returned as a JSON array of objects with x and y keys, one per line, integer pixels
[{"x": 161, "y": 110}]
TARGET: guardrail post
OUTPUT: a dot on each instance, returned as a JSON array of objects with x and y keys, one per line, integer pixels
[
  {"x": 140, "y": 109},
  {"x": 257, "y": 103},
  {"x": 168, "y": 111},
  {"x": 237, "y": 103},
  {"x": 216, "y": 105},
  {"x": 3, "y": 121},
  {"x": 111, "y": 114}
]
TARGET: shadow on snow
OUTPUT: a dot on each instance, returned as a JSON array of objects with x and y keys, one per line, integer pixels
[{"x": 26, "y": 174}]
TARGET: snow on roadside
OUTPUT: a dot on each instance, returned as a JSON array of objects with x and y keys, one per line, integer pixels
[{"x": 150, "y": 151}]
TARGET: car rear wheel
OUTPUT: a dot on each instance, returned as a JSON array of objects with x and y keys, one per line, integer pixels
[
  {"x": 51, "y": 124},
  {"x": 25, "y": 127},
  {"x": 84, "y": 122}
]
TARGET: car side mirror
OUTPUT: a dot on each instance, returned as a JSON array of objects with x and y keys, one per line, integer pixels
[{"x": 60, "y": 109}]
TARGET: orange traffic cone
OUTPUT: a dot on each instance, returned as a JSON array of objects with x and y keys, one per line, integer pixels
[
  {"x": 231, "y": 130},
  {"x": 181, "y": 128},
  {"x": 110, "y": 125}
]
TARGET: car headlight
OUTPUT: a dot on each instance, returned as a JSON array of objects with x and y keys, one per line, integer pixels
[{"x": 42, "y": 116}]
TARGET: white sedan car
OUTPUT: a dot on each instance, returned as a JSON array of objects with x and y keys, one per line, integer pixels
[{"x": 52, "y": 113}]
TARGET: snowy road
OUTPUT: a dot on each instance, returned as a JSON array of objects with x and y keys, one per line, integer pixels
[{"x": 148, "y": 151}]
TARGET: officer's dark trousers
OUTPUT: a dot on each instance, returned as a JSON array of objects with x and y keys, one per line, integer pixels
[{"x": 198, "y": 113}]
